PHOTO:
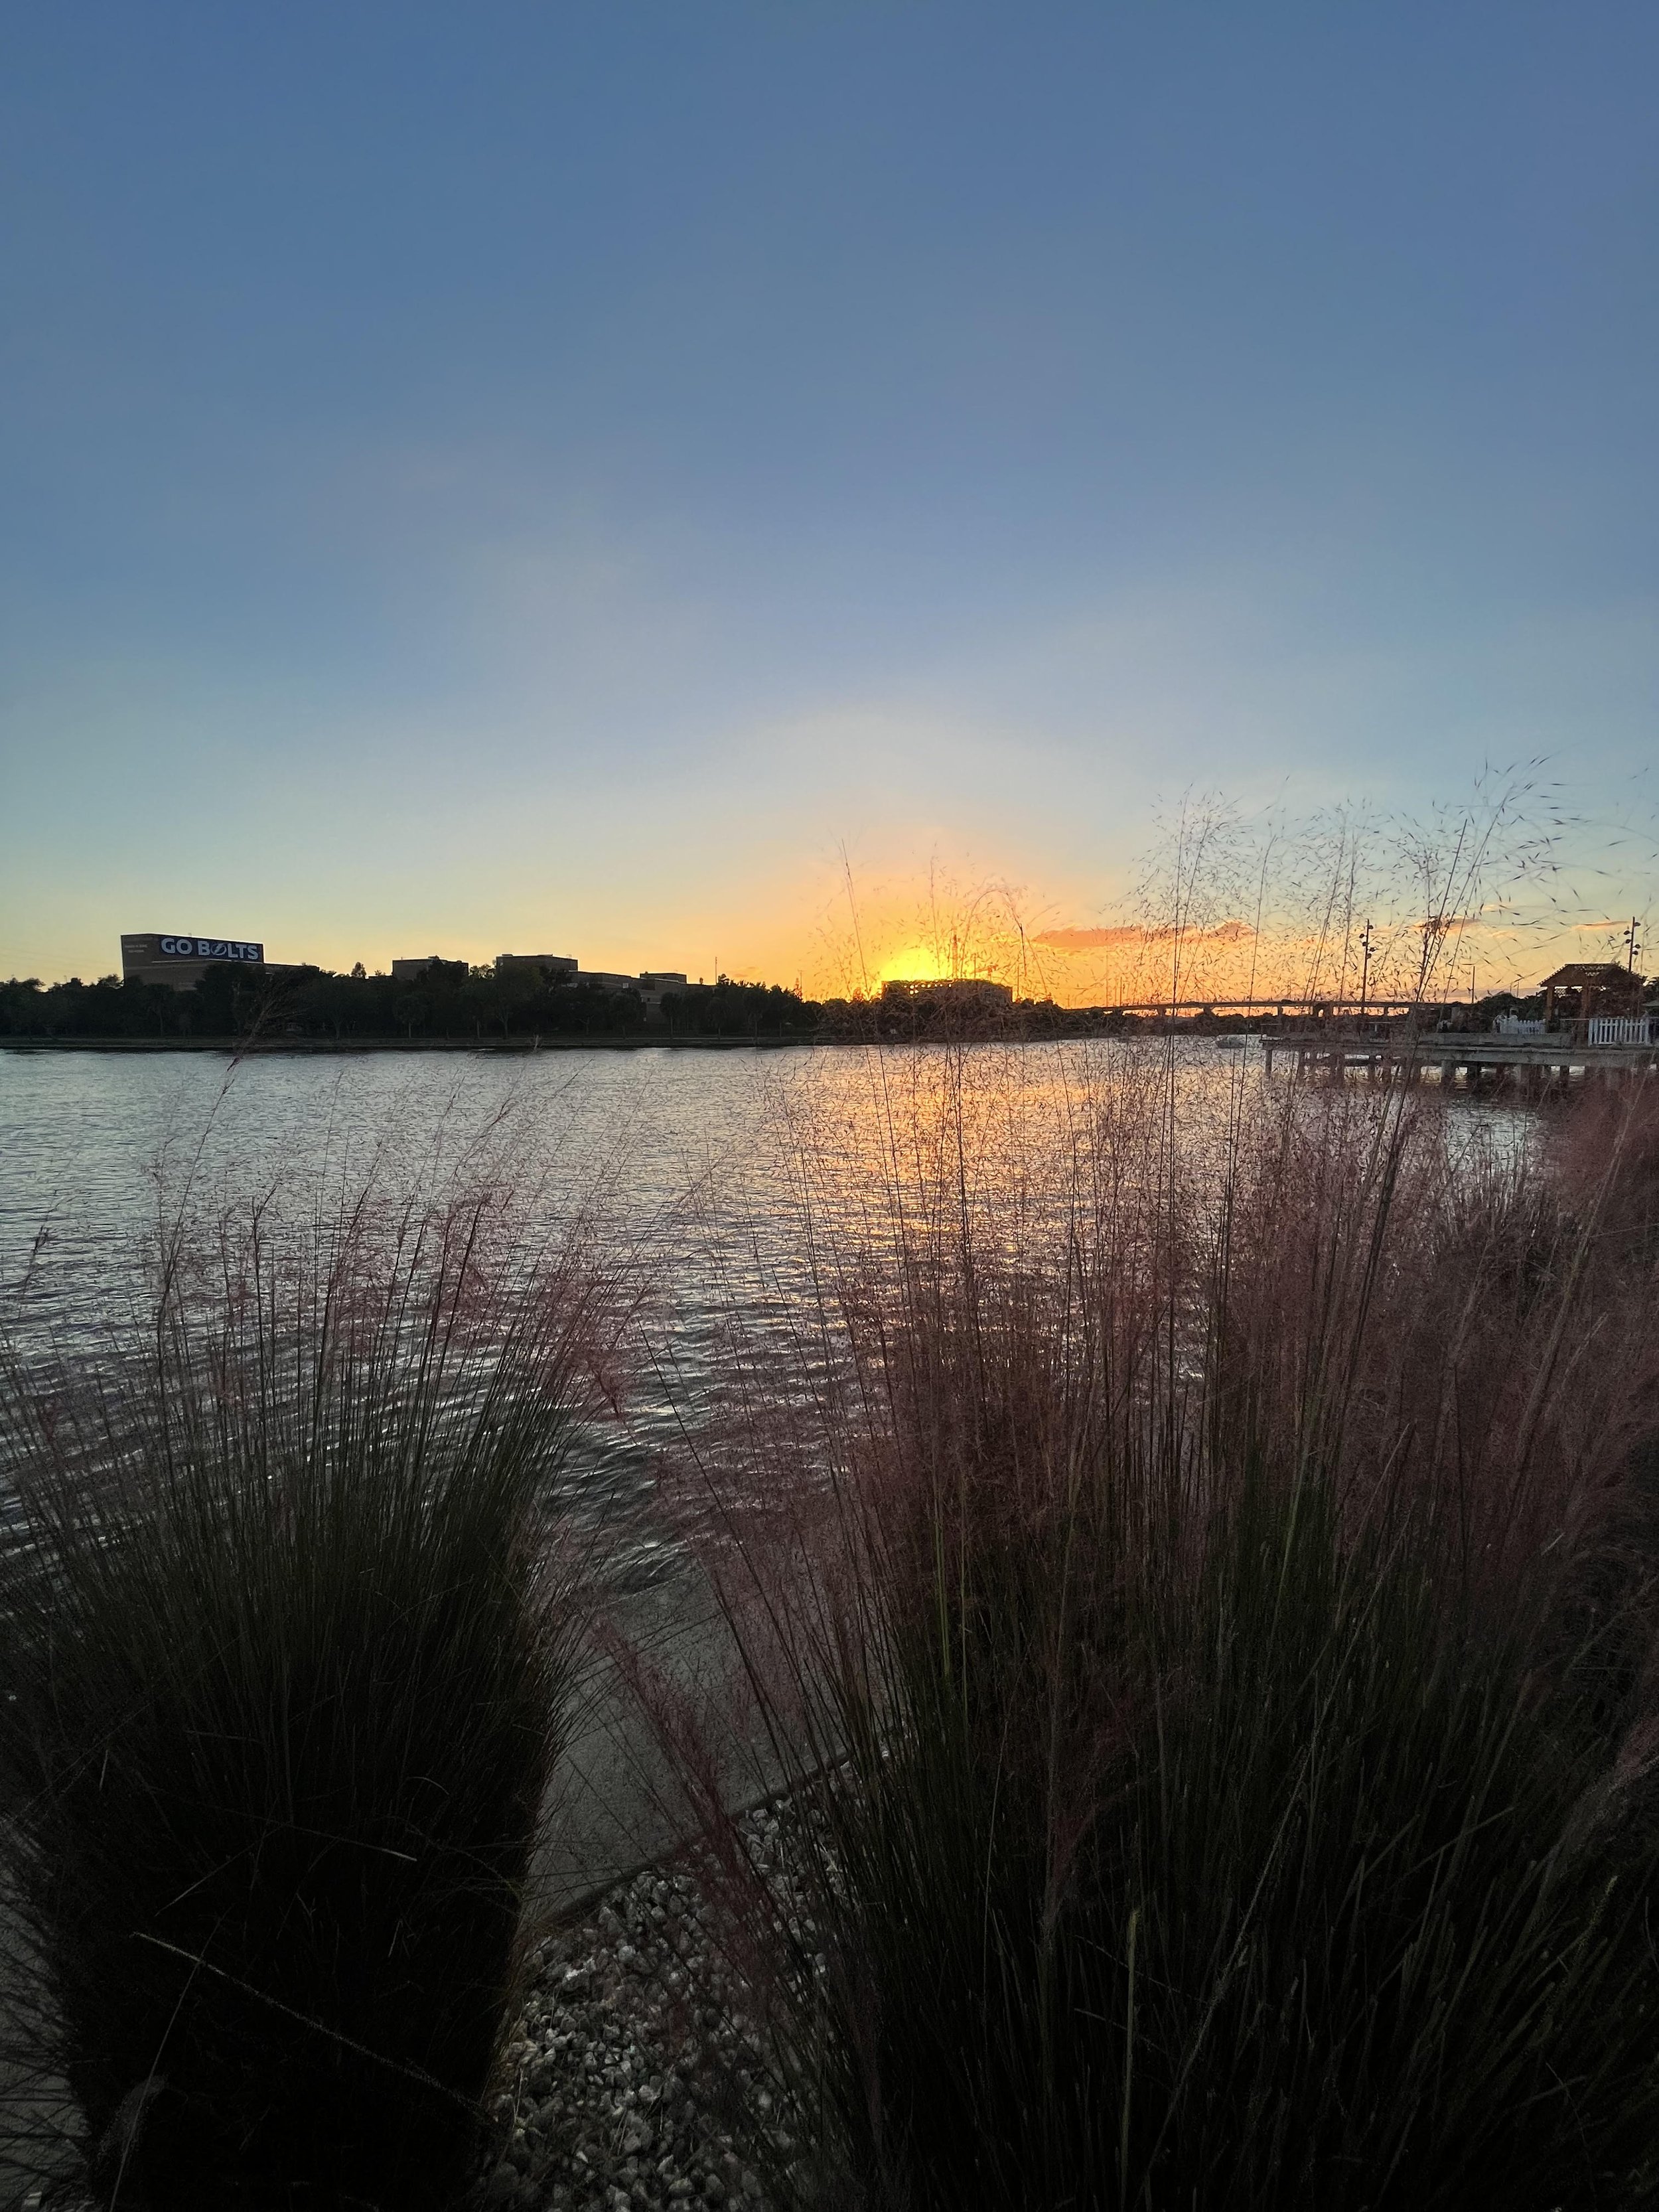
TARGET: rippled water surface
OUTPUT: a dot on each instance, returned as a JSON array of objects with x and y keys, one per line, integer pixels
[
  {"x": 101, "y": 1150},
  {"x": 692, "y": 1159},
  {"x": 98, "y": 1149}
]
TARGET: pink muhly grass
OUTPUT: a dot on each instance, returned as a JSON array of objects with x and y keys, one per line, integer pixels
[
  {"x": 289, "y": 1634},
  {"x": 1195, "y": 1601}
]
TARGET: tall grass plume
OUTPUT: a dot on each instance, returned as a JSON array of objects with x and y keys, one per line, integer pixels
[
  {"x": 1202, "y": 1615},
  {"x": 287, "y": 1641}
]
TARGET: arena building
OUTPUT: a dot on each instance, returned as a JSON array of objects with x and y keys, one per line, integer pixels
[{"x": 180, "y": 961}]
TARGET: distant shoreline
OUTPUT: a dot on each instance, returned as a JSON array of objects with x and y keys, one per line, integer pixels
[{"x": 528, "y": 1048}]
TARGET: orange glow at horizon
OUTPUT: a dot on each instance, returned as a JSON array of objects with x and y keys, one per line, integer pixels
[{"x": 916, "y": 965}]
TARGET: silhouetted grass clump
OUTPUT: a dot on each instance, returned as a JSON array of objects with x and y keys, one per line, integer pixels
[
  {"x": 286, "y": 1666},
  {"x": 1208, "y": 1620}
]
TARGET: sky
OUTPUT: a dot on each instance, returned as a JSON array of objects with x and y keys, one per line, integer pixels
[{"x": 661, "y": 480}]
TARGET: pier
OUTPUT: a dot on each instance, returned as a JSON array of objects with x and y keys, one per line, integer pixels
[{"x": 1482, "y": 1059}]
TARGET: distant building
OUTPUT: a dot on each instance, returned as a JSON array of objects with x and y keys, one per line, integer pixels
[
  {"x": 557, "y": 966},
  {"x": 180, "y": 962},
  {"x": 964, "y": 993},
  {"x": 1586, "y": 988},
  {"x": 650, "y": 984},
  {"x": 655, "y": 984}
]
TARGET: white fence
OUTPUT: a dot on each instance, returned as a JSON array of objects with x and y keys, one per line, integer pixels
[{"x": 1601, "y": 1029}]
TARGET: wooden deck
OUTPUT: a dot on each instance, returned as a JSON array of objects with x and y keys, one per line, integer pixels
[{"x": 1481, "y": 1059}]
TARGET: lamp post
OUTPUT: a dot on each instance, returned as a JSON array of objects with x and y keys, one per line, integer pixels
[{"x": 1364, "y": 966}]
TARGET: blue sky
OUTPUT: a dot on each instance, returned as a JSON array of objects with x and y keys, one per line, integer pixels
[{"x": 556, "y": 477}]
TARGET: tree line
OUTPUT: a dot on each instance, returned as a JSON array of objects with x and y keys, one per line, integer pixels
[{"x": 449, "y": 1000}]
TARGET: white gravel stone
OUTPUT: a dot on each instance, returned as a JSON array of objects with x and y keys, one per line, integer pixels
[{"x": 631, "y": 2060}]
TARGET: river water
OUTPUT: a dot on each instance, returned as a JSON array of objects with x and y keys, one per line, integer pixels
[
  {"x": 102, "y": 1153},
  {"x": 99, "y": 1152},
  {"x": 694, "y": 1162}
]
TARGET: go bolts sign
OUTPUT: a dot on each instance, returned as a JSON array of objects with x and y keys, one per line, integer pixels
[{"x": 210, "y": 948}]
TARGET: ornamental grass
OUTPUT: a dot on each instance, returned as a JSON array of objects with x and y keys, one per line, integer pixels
[
  {"x": 1202, "y": 1609},
  {"x": 287, "y": 1641}
]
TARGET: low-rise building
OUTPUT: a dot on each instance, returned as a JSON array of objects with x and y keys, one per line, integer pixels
[
  {"x": 560, "y": 967},
  {"x": 556, "y": 967},
  {"x": 968, "y": 994},
  {"x": 658, "y": 983},
  {"x": 180, "y": 961}
]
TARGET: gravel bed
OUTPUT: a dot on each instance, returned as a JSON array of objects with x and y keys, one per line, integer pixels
[
  {"x": 632, "y": 2064},
  {"x": 631, "y": 2068}
]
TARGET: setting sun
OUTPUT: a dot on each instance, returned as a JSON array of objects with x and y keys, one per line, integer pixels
[{"x": 917, "y": 965}]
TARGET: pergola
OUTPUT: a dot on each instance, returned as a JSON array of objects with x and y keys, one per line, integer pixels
[{"x": 1584, "y": 988}]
